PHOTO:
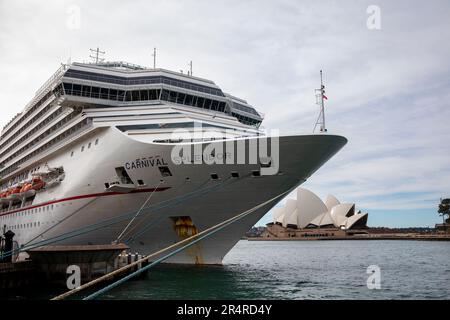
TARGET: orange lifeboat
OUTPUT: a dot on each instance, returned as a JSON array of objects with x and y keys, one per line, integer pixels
[
  {"x": 27, "y": 186},
  {"x": 14, "y": 192}
]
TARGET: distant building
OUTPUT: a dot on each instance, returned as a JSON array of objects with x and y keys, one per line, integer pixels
[
  {"x": 255, "y": 232},
  {"x": 309, "y": 216}
]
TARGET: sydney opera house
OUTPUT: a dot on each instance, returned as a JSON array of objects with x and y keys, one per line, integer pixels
[{"x": 309, "y": 212}]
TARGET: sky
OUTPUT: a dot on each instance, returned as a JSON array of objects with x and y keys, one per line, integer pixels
[{"x": 386, "y": 69}]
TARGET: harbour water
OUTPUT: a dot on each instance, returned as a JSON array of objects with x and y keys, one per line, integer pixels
[
  {"x": 305, "y": 270},
  {"x": 293, "y": 270}
]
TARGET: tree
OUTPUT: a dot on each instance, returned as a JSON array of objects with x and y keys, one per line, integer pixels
[{"x": 444, "y": 210}]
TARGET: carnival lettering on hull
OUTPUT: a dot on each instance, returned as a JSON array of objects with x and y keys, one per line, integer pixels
[{"x": 146, "y": 163}]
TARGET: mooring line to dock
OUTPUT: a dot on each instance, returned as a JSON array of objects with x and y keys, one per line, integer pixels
[
  {"x": 188, "y": 242},
  {"x": 138, "y": 212},
  {"x": 61, "y": 221},
  {"x": 146, "y": 227},
  {"x": 111, "y": 221}
]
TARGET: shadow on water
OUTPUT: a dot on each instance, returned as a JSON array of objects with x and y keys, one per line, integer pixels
[{"x": 191, "y": 283}]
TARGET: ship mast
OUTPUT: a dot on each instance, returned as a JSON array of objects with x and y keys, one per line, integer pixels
[
  {"x": 320, "y": 101},
  {"x": 154, "y": 58},
  {"x": 97, "y": 53}
]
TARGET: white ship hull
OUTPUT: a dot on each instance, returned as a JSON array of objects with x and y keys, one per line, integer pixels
[{"x": 81, "y": 210}]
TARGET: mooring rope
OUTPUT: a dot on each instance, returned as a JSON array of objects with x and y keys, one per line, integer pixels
[
  {"x": 146, "y": 227},
  {"x": 188, "y": 242},
  {"x": 111, "y": 221},
  {"x": 138, "y": 212},
  {"x": 61, "y": 221}
]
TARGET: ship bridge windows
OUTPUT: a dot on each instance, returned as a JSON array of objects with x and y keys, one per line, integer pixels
[
  {"x": 246, "y": 120},
  {"x": 93, "y": 92},
  {"x": 104, "y": 94},
  {"x": 76, "y": 90},
  {"x": 77, "y": 74},
  {"x": 135, "y": 96},
  {"x": 195, "y": 101},
  {"x": 86, "y": 91},
  {"x": 145, "y": 95},
  {"x": 245, "y": 108},
  {"x": 189, "y": 101}
]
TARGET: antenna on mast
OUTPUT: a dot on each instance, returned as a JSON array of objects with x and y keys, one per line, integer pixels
[
  {"x": 154, "y": 58},
  {"x": 97, "y": 53},
  {"x": 190, "y": 68},
  {"x": 320, "y": 101}
]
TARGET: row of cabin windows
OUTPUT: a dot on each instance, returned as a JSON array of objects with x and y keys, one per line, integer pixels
[
  {"x": 235, "y": 174},
  {"x": 27, "y": 212},
  {"x": 88, "y": 146},
  {"x": 49, "y": 144},
  {"x": 25, "y": 225},
  {"x": 57, "y": 92},
  {"x": 34, "y": 130},
  {"x": 42, "y": 136},
  {"x": 28, "y": 124},
  {"x": 142, "y": 80},
  {"x": 28, "y": 225},
  {"x": 29, "y": 112}
]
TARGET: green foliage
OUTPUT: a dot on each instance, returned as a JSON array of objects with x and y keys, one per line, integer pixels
[{"x": 444, "y": 209}]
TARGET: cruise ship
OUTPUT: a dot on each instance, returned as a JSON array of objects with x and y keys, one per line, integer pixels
[{"x": 112, "y": 151}]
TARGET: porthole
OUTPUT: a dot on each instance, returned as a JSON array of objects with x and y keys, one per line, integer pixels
[
  {"x": 214, "y": 176},
  {"x": 256, "y": 173}
]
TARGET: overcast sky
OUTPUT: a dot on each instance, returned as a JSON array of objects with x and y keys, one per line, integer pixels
[{"x": 388, "y": 87}]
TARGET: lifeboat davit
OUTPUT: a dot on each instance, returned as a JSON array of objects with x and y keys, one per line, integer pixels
[
  {"x": 27, "y": 190},
  {"x": 37, "y": 184}
]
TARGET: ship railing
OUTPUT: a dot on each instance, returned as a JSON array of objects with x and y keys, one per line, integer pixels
[{"x": 44, "y": 89}]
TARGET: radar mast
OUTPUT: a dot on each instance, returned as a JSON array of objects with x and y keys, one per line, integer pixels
[{"x": 320, "y": 101}]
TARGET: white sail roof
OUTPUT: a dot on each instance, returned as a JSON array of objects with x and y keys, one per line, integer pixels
[
  {"x": 309, "y": 207},
  {"x": 310, "y": 210},
  {"x": 331, "y": 201}
]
